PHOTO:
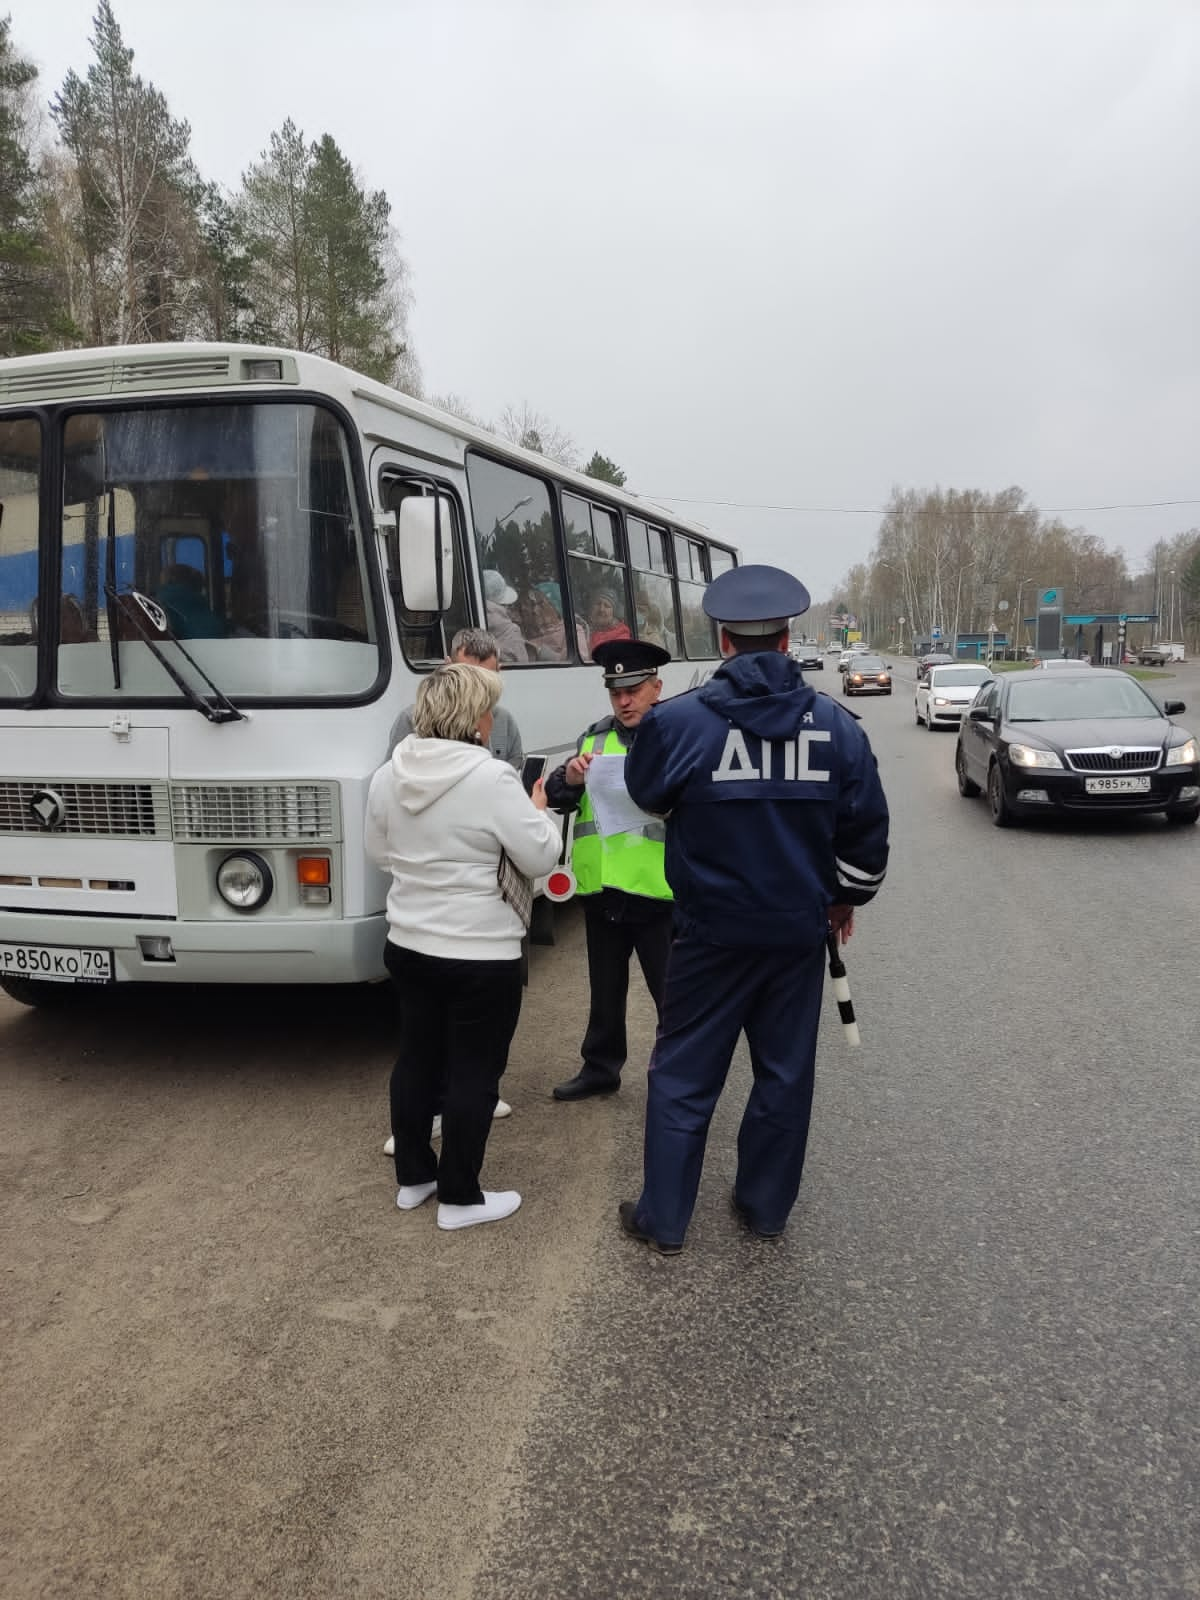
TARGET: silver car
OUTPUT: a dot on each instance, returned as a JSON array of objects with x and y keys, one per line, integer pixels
[{"x": 943, "y": 696}]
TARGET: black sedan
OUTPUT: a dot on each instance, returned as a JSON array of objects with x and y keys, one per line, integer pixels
[
  {"x": 809, "y": 656},
  {"x": 935, "y": 658},
  {"x": 1088, "y": 739},
  {"x": 867, "y": 675}
]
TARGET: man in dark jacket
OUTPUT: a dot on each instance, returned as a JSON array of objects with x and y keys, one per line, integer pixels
[{"x": 777, "y": 829}]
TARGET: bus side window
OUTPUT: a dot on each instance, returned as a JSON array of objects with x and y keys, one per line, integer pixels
[
  {"x": 598, "y": 584},
  {"x": 699, "y": 633},
  {"x": 519, "y": 570},
  {"x": 653, "y": 597}
]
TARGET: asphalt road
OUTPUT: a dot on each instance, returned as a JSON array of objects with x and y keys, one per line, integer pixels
[{"x": 231, "y": 1368}]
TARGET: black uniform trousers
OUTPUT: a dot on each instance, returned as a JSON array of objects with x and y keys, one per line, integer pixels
[
  {"x": 618, "y": 927},
  {"x": 457, "y": 1019}
]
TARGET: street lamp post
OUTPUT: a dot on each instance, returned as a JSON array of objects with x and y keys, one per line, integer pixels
[{"x": 500, "y": 521}]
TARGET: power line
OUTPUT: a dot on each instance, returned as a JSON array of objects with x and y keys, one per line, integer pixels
[{"x": 878, "y": 511}]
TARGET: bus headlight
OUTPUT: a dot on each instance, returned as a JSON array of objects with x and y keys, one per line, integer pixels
[{"x": 244, "y": 881}]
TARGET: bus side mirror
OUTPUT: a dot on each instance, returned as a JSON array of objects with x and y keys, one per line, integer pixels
[{"x": 425, "y": 552}]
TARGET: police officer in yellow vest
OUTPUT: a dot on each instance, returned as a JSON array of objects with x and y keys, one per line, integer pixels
[{"x": 627, "y": 903}]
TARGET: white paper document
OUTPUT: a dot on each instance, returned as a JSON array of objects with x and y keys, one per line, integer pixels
[{"x": 612, "y": 808}]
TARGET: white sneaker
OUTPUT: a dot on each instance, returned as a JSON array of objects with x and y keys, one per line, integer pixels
[
  {"x": 496, "y": 1206},
  {"x": 503, "y": 1109},
  {"x": 411, "y": 1195}
]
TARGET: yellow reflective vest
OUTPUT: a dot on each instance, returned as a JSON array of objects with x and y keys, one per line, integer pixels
[{"x": 631, "y": 862}]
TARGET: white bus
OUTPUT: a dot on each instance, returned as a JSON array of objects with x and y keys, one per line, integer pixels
[{"x": 222, "y": 569}]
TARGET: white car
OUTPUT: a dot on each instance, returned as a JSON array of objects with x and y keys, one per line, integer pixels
[
  {"x": 848, "y": 655},
  {"x": 943, "y": 696}
]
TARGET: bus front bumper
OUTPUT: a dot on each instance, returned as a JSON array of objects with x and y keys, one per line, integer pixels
[{"x": 145, "y": 950}]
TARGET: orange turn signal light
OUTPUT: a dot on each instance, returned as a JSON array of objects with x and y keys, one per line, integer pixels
[{"x": 312, "y": 870}]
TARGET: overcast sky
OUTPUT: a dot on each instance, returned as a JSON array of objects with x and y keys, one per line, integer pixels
[{"x": 791, "y": 253}]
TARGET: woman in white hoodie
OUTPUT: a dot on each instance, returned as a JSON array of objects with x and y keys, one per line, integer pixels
[{"x": 439, "y": 814}]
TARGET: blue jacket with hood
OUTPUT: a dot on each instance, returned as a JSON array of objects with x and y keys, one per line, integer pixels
[{"x": 774, "y": 803}]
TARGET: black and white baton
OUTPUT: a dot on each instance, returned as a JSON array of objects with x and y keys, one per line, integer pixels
[{"x": 841, "y": 990}]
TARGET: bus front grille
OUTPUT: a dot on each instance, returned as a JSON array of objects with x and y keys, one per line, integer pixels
[
  {"x": 265, "y": 813},
  {"x": 97, "y": 810}
]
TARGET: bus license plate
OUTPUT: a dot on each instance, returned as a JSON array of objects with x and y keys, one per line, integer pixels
[
  {"x": 1117, "y": 785},
  {"x": 56, "y": 963}
]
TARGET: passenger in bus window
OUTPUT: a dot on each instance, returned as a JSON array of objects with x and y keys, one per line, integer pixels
[
  {"x": 605, "y": 624},
  {"x": 541, "y": 624},
  {"x": 498, "y": 596},
  {"x": 651, "y": 626},
  {"x": 553, "y": 592},
  {"x": 181, "y": 595}
]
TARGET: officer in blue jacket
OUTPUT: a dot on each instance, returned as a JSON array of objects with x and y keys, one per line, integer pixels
[{"x": 777, "y": 829}]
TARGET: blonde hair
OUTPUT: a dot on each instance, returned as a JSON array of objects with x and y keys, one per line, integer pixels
[{"x": 452, "y": 700}]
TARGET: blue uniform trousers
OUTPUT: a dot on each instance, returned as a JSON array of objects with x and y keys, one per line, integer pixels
[{"x": 713, "y": 993}]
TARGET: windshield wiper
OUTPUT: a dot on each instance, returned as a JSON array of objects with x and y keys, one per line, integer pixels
[
  {"x": 110, "y": 586},
  {"x": 147, "y": 614}
]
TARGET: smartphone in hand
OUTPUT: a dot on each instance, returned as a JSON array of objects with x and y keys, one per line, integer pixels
[{"x": 533, "y": 768}]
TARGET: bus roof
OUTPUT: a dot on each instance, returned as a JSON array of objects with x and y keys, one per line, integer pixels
[{"x": 165, "y": 369}]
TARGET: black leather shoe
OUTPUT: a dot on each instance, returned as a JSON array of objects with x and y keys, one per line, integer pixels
[
  {"x": 584, "y": 1084},
  {"x": 744, "y": 1216},
  {"x": 626, "y": 1211}
]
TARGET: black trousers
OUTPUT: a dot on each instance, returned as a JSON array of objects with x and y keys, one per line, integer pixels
[
  {"x": 457, "y": 1019},
  {"x": 611, "y": 944}
]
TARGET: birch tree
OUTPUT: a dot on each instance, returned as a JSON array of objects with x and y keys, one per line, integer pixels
[{"x": 138, "y": 191}]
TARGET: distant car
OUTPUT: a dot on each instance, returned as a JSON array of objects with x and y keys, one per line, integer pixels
[
  {"x": 851, "y": 653},
  {"x": 809, "y": 657},
  {"x": 833, "y": 649},
  {"x": 1157, "y": 655},
  {"x": 935, "y": 658},
  {"x": 947, "y": 690},
  {"x": 1082, "y": 741},
  {"x": 1057, "y": 661},
  {"x": 867, "y": 675}
]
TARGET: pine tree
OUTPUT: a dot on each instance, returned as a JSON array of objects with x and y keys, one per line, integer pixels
[
  {"x": 138, "y": 192},
  {"x": 353, "y": 317},
  {"x": 30, "y": 317},
  {"x": 324, "y": 274},
  {"x": 604, "y": 469},
  {"x": 225, "y": 279}
]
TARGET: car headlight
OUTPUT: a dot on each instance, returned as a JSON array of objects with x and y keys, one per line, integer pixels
[
  {"x": 244, "y": 881},
  {"x": 1182, "y": 755},
  {"x": 938, "y": 701},
  {"x": 1026, "y": 755}
]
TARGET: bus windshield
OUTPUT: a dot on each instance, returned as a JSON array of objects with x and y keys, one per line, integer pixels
[{"x": 240, "y": 521}]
